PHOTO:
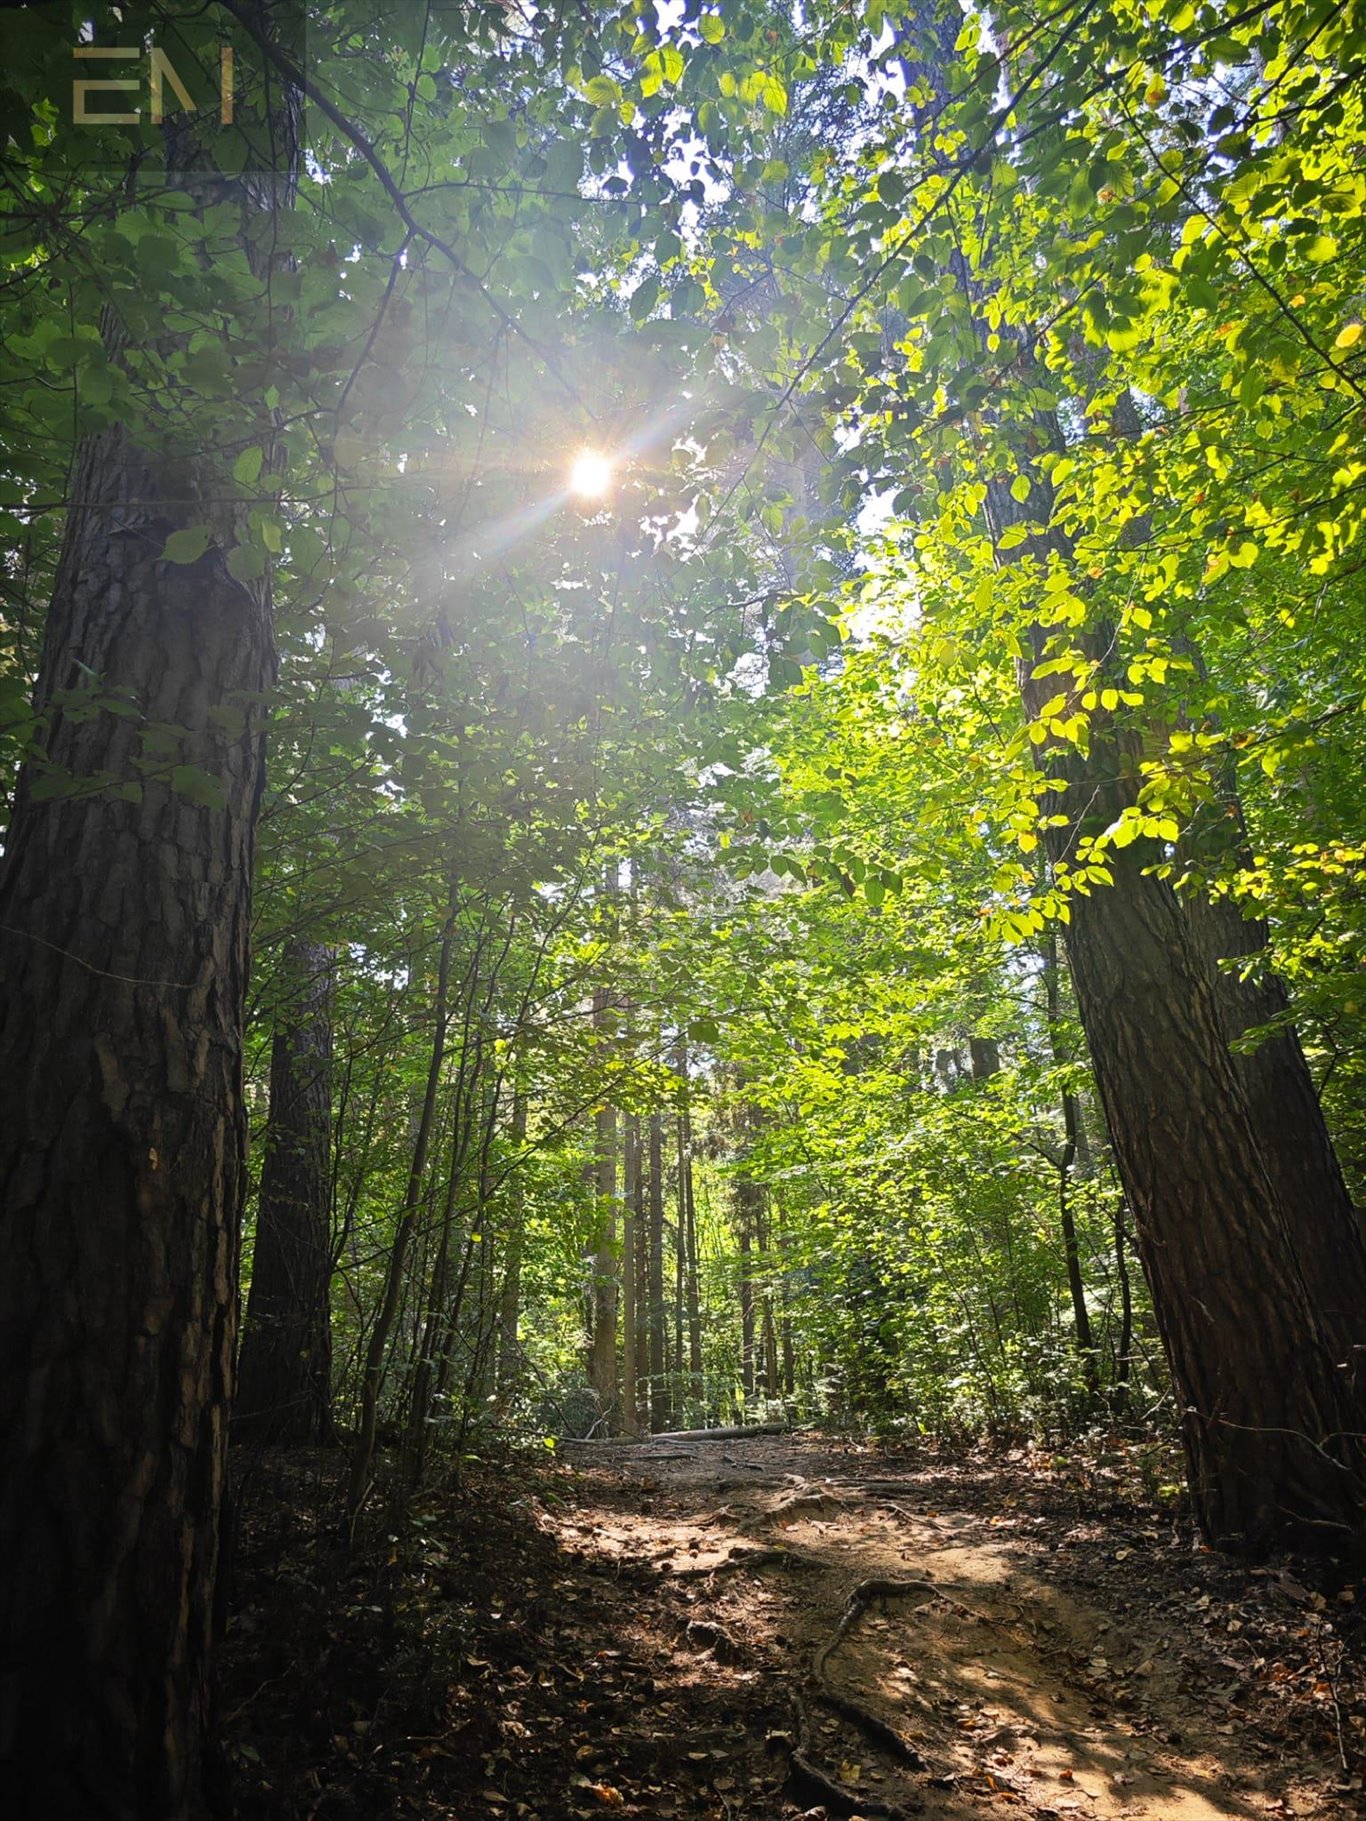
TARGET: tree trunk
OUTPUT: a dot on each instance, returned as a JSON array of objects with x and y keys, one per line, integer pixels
[
  {"x": 744, "y": 1198},
  {"x": 1125, "y": 1346},
  {"x": 284, "y": 1371},
  {"x": 661, "y": 1413},
  {"x": 1271, "y": 1423},
  {"x": 124, "y": 915},
  {"x": 1081, "y": 1315},
  {"x": 602, "y": 1357},
  {"x": 630, "y": 1281},
  {"x": 510, "y": 1297},
  {"x": 692, "y": 1285},
  {"x": 1282, "y": 1100},
  {"x": 372, "y": 1372}
]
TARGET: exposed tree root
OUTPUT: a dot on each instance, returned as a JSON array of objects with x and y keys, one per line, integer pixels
[
  {"x": 864, "y": 1596},
  {"x": 880, "y": 1731},
  {"x": 808, "y": 1498},
  {"x": 813, "y": 1780},
  {"x": 738, "y": 1558}
]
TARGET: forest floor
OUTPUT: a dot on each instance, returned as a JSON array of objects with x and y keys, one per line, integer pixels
[{"x": 782, "y": 1626}]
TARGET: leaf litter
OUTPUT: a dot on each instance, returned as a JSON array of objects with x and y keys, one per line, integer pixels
[{"x": 840, "y": 1630}]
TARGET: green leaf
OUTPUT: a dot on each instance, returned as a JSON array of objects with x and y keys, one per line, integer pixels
[
  {"x": 247, "y": 467},
  {"x": 246, "y": 563},
  {"x": 187, "y": 546}
]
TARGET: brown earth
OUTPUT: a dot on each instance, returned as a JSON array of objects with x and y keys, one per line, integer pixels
[{"x": 779, "y": 1626}]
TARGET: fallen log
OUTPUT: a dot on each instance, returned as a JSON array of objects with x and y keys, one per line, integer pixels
[{"x": 674, "y": 1435}]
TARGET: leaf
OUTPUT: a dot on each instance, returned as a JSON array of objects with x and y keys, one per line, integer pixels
[
  {"x": 247, "y": 467},
  {"x": 198, "y": 785},
  {"x": 187, "y": 546},
  {"x": 246, "y": 563},
  {"x": 712, "y": 27},
  {"x": 1348, "y": 337}
]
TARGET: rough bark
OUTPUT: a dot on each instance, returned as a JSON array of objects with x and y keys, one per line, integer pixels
[
  {"x": 284, "y": 1370},
  {"x": 1272, "y": 1425},
  {"x": 1283, "y": 1101},
  {"x": 124, "y": 916}
]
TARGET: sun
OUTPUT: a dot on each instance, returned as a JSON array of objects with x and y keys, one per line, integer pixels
[{"x": 591, "y": 475}]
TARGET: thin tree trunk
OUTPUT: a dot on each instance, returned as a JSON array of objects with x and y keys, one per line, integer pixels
[
  {"x": 510, "y": 1302},
  {"x": 661, "y": 1415},
  {"x": 284, "y": 1371},
  {"x": 1081, "y": 1315},
  {"x": 746, "y": 1292},
  {"x": 630, "y": 1297},
  {"x": 602, "y": 1358},
  {"x": 1124, "y": 1351},
  {"x": 680, "y": 1265},
  {"x": 693, "y": 1285},
  {"x": 434, "y": 1326},
  {"x": 372, "y": 1373}
]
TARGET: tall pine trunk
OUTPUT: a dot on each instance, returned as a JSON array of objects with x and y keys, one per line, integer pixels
[
  {"x": 284, "y": 1370},
  {"x": 124, "y": 915},
  {"x": 125, "y": 907}
]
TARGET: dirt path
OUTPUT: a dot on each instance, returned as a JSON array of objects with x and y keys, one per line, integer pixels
[
  {"x": 780, "y": 1626},
  {"x": 997, "y": 1667}
]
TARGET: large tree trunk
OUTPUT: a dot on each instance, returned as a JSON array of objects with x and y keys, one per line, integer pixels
[
  {"x": 1282, "y": 1099},
  {"x": 124, "y": 915},
  {"x": 284, "y": 1372},
  {"x": 1272, "y": 1418},
  {"x": 1272, "y": 1423}
]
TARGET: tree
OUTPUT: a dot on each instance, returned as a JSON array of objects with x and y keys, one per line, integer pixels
[
  {"x": 284, "y": 1370},
  {"x": 125, "y": 899}
]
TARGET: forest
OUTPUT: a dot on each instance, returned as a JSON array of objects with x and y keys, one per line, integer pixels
[{"x": 682, "y": 909}]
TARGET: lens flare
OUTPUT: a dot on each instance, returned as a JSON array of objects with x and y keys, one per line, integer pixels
[{"x": 591, "y": 475}]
